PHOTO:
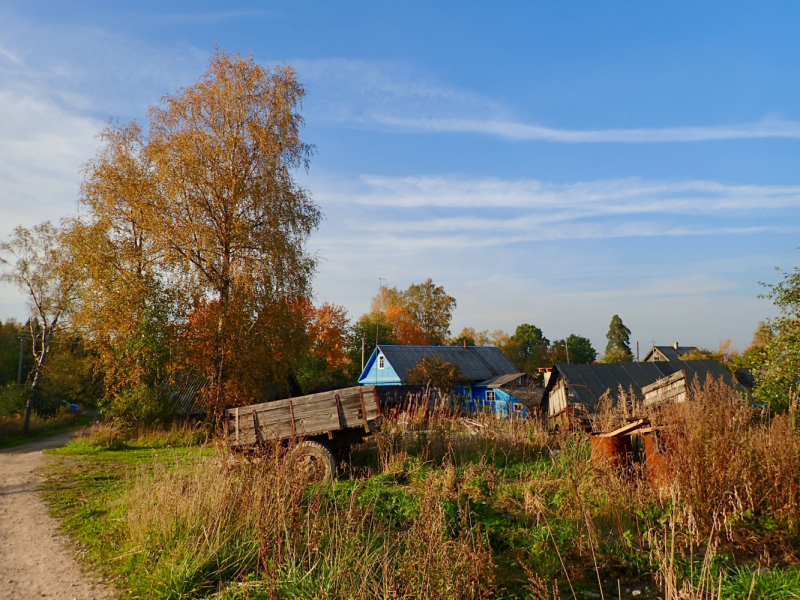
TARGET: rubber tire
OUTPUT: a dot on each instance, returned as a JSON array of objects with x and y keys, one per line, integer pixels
[{"x": 311, "y": 462}]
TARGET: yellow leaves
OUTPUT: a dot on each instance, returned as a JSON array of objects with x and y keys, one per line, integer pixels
[{"x": 202, "y": 216}]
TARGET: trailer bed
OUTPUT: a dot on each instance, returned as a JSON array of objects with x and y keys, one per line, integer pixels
[{"x": 343, "y": 416}]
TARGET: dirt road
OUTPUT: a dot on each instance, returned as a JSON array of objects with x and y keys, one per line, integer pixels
[{"x": 35, "y": 560}]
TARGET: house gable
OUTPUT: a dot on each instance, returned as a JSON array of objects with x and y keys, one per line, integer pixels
[
  {"x": 667, "y": 353},
  {"x": 376, "y": 373}
]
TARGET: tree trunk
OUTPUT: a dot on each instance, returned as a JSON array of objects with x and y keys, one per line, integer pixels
[
  {"x": 29, "y": 405},
  {"x": 38, "y": 366}
]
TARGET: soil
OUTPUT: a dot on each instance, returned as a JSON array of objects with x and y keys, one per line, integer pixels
[{"x": 35, "y": 560}]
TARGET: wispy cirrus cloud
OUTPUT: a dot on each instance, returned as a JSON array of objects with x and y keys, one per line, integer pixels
[
  {"x": 394, "y": 96},
  {"x": 210, "y": 17},
  {"x": 457, "y": 212},
  {"x": 514, "y": 130}
]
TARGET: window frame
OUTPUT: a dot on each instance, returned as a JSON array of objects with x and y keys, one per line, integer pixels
[{"x": 381, "y": 362}]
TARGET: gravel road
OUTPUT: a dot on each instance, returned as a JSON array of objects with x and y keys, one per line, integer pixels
[{"x": 35, "y": 560}]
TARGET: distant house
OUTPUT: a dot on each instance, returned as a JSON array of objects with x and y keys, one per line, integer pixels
[
  {"x": 661, "y": 353},
  {"x": 493, "y": 382},
  {"x": 573, "y": 391}
]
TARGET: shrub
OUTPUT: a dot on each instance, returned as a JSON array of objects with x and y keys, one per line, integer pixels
[
  {"x": 136, "y": 407},
  {"x": 12, "y": 400}
]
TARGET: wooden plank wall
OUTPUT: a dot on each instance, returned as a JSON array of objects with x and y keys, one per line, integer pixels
[
  {"x": 558, "y": 398},
  {"x": 668, "y": 389}
]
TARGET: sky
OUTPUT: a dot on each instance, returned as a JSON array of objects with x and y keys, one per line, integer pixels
[{"x": 547, "y": 163}]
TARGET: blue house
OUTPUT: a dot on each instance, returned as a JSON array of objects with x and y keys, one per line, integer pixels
[{"x": 494, "y": 383}]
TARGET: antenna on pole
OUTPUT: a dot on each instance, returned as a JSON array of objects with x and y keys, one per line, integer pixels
[
  {"x": 377, "y": 324},
  {"x": 380, "y": 285}
]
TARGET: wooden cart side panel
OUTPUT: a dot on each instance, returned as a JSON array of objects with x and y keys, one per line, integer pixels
[
  {"x": 306, "y": 415},
  {"x": 314, "y": 418}
]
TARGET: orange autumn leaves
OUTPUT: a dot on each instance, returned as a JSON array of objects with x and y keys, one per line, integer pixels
[
  {"x": 405, "y": 331},
  {"x": 328, "y": 329}
]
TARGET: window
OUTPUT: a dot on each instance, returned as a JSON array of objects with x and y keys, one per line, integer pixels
[
  {"x": 489, "y": 395},
  {"x": 517, "y": 406},
  {"x": 381, "y": 362}
]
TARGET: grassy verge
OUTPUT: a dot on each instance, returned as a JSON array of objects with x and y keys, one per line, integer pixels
[
  {"x": 428, "y": 509},
  {"x": 42, "y": 429}
]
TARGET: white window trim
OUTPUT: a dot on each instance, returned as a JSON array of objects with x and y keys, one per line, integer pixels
[
  {"x": 381, "y": 361},
  {"x": 491, "y": 398}
]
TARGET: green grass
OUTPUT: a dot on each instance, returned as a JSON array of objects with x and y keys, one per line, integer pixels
[
  {"x": 84, "y": 487},
  {"x": 776, "y": 584},
  {"x": 45, "y": 432}
]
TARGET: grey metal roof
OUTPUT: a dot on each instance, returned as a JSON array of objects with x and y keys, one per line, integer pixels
[
  {"x": 589, "y": 382},
  {"x": 182, "y": 393},
  {"x": 477, "y": 363},
  {"x": 671, "y": 352},
  {"x": 501, "y": 380}
]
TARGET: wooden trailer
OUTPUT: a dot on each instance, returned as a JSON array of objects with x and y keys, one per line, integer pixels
[{"x": 321, "y": 424}]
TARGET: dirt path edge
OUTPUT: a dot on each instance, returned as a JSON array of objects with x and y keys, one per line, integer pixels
[{"x": 36, "y": 560}]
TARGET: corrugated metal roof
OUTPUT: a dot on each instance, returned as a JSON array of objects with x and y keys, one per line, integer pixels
[
  {"x": 589, "y": 382},
  {"x": 500, "y": 380},
  {"x": 477, "y": 363},
  {"x": 182, "y": 392},
  {"x": 671, "y": 352}
]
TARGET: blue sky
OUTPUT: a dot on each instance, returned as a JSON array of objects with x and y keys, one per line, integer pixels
[{"x": 549, "y": 163}]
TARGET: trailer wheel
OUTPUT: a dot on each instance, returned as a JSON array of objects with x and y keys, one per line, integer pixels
[{"x": 311, "y": 462}]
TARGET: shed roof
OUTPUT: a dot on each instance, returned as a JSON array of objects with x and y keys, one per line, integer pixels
[
  {"x": 477, "y": 363},
  {"x": 182, "y": 393},
  {"x": 501, "y": 380},
  {"x": 589, "y": 382}
]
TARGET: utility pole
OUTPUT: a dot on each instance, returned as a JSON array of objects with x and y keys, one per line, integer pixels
[
  {"x": 363, "y": 348},
  {"x": 637, "y": 351},
  {"x": 21, "y": 351},
  {"x": 566, "y": 346}
]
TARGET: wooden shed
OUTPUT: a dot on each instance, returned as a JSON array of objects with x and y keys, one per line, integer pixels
[{"x": 573, "y": 391}]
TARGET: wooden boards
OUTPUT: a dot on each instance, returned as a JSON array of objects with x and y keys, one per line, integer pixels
[
  {"x": 667, "y": 389},
  {"x": 304, "y": 416}
]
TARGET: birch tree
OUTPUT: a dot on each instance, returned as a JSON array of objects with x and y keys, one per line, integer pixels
[
  {"x": 228, "y": 215},
  {"x": 36, "y": 261}
]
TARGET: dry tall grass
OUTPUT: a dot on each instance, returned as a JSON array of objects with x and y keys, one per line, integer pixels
[
  {"x": 12, "y": 426},
  {"x": 730, "y": 484},
  {"x": 111, "y": 435},
  {"x": 203, "y": 525}
]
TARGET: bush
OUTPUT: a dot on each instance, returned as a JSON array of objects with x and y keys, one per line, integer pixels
[
  {"x": 136, "y": 407},
  {"x": 12, "y": 400}
]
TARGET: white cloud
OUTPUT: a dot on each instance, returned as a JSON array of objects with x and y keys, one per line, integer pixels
[
  {"x": 455, "y": 212},
  {"x": 42, "y": 150},
  {"x": 10, "y": 56}
]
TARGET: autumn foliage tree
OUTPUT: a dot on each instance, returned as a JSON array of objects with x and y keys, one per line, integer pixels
[
  {"x": 436, "y": 372},
  {"x": 328, "y": 361},
  {"x": 126, "y": 311},
  {"x": 202, "y": 215}
]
